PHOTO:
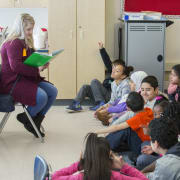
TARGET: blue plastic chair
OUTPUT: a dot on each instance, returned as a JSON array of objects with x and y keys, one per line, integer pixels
[{"x": 41, "y": 169}]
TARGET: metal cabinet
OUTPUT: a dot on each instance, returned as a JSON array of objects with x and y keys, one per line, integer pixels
[{"x": 144, "y": 47}]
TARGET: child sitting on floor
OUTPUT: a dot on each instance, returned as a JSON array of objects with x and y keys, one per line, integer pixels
[
  {"x": 149, "y": 92},
  {"x": 148, "y": 156},
  {"x": 130, "y": 131},
  {"x": 98, "y": 162},
  {"x": 120, "y": 108},
  {"x": 174, "y": 86},
  {"x": 120, "y": 87},
  {"x": 164, "y": 140}
]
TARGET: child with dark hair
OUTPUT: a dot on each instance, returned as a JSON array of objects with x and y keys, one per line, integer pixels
[
  {"x": 130, "y": 131},
  {"x": 164, "y": 140},
  {"x": 172, "y": 110},
  {"x": 97, "y": 92},
  {"x": 174, "y": 86},
  {"x": 149, "y": 90},
  {"x": 120, "y": 87},
  {"x": 148, "y": 156},
  {"x": 119, "y": 108},
  {"x": 98, "y": 162}
]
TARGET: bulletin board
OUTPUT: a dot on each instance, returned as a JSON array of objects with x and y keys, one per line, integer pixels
[{"x": 167, "y": 7}]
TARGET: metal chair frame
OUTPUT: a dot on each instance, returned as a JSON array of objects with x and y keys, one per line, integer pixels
[{"x": 7, "y": 115}]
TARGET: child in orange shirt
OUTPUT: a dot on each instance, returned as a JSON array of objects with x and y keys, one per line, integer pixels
[{"x": 131, "y": 131}]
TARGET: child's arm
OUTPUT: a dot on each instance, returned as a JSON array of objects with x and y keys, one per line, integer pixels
[
  {"x": 124, "y": 117},
  {"x": 117, "y": 108},
  {"x": 113, "y": 128},
  {"x": 66, "y": 171},
  {"x": 132, "y": 173},
  {"x": 105, "y": 57},
  {"x": 126, "y": 172},
  {"x": 172, "y": 92},
  {"x": 172, "y": 88},
  {"x": 125, "y": 90},
  {"x": 149, "y": 168}
]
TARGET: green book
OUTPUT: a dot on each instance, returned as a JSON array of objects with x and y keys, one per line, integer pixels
[{"x": 39, "y": 59}]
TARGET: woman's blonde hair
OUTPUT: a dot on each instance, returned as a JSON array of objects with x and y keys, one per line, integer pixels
[{"x": 17, "y": 31}]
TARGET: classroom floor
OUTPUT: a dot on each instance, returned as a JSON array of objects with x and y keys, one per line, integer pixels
[{"x": 63, "y": 142}]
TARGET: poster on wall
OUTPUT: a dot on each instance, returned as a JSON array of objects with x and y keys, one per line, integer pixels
[{"x": 167, "y": 7}]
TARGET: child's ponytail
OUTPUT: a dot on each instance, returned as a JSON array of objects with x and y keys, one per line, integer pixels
[{"x": 128, "y": 70}]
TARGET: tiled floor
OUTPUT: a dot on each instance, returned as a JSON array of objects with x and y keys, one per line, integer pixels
[{"x": 64, "y": 136}]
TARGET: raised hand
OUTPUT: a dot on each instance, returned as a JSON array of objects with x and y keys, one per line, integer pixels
[{"x": 100, "y": 45}]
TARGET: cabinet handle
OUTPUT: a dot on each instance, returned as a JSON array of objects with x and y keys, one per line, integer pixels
[
  {"x": 81, "y": 34},
  {"x": 71, "y": 34}
]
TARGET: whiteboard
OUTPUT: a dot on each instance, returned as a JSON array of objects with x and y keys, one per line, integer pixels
[{"x": 8, "y": 15}]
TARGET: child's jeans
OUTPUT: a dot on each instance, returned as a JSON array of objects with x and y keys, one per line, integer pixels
[{"x": 128, "y": 136}]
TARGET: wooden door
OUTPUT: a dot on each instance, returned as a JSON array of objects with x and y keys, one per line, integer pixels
[
  {"x": 90, "y": 30},
  {"x": 62, "y": 34}
]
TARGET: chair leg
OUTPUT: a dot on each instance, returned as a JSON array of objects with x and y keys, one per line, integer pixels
[
  {"x": 33, "y": 124},
  {"x": 42, "y": 129},
  {"x": 4, "y": 121}
]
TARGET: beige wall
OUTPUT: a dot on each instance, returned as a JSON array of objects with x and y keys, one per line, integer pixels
[
  {"x": 112, "y": 15},
  {"x": 172, "y": 47},
  {"x": 173, "y": 42}
]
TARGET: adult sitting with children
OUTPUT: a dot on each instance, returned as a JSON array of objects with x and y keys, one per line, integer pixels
[{"x": 31, "y": 89}]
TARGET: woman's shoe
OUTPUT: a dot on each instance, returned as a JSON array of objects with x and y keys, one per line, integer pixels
[
  {"x": 30, "y": 129},
  {"x": 22, "y": 118}
]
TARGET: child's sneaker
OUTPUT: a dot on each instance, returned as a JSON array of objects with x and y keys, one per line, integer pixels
[
  {"x": 74, "y": 107},
  {"x": 94, "y": 108}
]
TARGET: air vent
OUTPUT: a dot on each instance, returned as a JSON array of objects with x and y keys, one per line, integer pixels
[
  {"x": 137, "y": 28},
  {"x": 154, "y": 28}
]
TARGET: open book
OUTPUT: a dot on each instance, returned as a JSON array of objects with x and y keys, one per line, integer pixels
[{"x": 39, "y": 59}]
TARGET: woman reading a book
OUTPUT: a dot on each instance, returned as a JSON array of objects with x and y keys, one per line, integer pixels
[{"x": 31, "y": 89}]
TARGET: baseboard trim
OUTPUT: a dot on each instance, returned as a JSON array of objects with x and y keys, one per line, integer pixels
[{"x": 66, "y": 102}]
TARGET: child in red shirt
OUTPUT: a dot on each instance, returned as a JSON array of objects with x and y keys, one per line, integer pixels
[{"x": 131, "y": 131}]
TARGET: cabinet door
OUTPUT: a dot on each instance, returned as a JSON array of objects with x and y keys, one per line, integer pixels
[
  {"x": 62, "y": 34},
  {"x": 90, "y": 30},
  {"x": 6, "y": 3}
]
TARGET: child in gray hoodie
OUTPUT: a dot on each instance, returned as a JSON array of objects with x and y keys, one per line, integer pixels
[{"x": 164, "y": 141}]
